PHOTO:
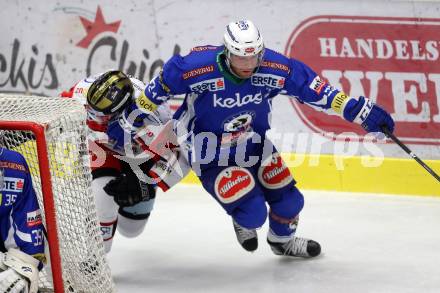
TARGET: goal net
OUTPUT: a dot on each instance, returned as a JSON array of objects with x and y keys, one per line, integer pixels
[{"x": 52, "y": 136}]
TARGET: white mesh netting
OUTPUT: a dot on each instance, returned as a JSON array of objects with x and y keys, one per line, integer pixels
[{"x": 83, "y": 264}]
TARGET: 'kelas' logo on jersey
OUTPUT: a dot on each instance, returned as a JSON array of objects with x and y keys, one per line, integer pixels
[
  {"x": 33, "y": 218},
  {"x": 270, "y": 80},
  {"x": 12, "y": 184},
  {"x": 238, "y": 101},
  {"x": 233, "y": 183},
  {"x": 211, "y": 85}
]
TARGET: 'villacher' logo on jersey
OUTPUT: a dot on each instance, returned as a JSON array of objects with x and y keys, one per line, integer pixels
[
  {"x": 211, "y": 85},
  {"x": 238, "y": 101},
  {"x": 270, "y": 80},
  {"x": 12, "y": 165},
  {"x": 232, "y": 183},
  {"x": 198, "y": 71}
]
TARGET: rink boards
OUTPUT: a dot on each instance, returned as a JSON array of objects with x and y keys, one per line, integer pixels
[{"x": 348, "y": 174}]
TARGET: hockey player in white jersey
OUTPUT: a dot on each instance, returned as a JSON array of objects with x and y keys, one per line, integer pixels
[
  {"x": 124, "y": 193},
  {"x": 21, "y": 226},
  {"x": 223, "y": 123}
]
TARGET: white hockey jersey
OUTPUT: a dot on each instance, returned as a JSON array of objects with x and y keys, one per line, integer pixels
[{"x": 165, "y": 172}]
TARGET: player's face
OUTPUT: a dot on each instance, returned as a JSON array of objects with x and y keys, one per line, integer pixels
[{"x": 243, "y": 66}]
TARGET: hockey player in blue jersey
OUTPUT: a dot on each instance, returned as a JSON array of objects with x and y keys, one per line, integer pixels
[
  {"x": 21, "y": 227},
  {"x": 223, "y": 121}
]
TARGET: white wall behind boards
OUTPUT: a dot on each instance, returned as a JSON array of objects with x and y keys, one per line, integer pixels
[{"x": 46, "y": 47}]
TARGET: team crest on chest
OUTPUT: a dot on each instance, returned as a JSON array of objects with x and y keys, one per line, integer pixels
[{"x": 237, "y": 128}]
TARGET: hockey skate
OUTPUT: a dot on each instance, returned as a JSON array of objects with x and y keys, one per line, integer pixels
[
  {"x": 246, "y": 237},
  {"x": 296, "y": 246}
]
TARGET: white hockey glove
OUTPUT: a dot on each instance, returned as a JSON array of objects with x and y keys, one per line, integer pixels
[{"x": 18, "y": 272}]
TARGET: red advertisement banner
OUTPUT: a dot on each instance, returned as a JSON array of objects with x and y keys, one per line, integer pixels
[{"x": 393, "y": 61}]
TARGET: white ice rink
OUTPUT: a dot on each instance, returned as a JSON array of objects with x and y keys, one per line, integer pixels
[{"x": 370, "y": 243}]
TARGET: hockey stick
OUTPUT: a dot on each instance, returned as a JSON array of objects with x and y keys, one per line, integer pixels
[{"x": 409, "y": 152}]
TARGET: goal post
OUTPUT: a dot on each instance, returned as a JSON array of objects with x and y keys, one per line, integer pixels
[
  {"x": 51, "y": 134},
  {"x": 46, "y": 191}
]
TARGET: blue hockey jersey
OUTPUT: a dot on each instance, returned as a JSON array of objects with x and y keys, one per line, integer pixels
[
  {"x": 20, "y": 216},
  {"x": 221, "y": 111}
]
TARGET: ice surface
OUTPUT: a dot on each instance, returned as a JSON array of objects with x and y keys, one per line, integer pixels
[{"x": 371, "y": 243}]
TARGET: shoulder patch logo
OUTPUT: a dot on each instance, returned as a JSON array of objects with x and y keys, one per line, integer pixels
[
  {"x": 317, "y": 84},
  {"x": 273, "y": 173},
  {"x": 198, "y": 71},
  {"x": 275, "y": 65},
  {"x": 33, "y": 218},
  {"x": 203, "y": 48},
  {"x": 12, "y": 165}
]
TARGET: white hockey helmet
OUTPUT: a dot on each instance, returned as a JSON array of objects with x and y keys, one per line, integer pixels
[{"x": 242, "y": 38}]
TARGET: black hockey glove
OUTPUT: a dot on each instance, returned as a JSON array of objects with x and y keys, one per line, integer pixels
[{"x": 128, "y": 190}]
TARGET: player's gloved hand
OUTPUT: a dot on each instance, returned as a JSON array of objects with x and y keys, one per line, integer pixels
[
  {"x": 18, "y": 272},
  {"x": 370, "y": 116},
  {"x": 127, "y": 190},
  {"x": 378, "y": 118}
]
